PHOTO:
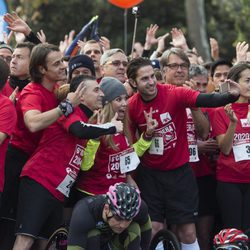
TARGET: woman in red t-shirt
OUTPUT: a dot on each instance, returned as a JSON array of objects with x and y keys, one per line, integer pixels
[
  {"x": 231, "y": 126},
  {"x": 111, "y": 159}
]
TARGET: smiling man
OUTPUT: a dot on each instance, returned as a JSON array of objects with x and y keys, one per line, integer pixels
[{"x": 165, "y": 165}]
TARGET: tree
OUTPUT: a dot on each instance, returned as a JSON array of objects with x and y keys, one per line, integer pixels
[{"x": 197, "y": 31}]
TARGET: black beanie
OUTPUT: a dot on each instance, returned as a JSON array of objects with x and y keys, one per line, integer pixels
[
  {"x": 112, "y": 88},
  {"x": 81, "y": 61}
]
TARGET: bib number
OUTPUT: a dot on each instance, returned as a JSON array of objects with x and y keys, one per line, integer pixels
[
  {"x": 65, "y": 186},
  {"x": 129, "y": 162},
  {"x": 241, "y": 152},
  {"x": 193, "y": 153},
  {"x": 156, "y": 147}
]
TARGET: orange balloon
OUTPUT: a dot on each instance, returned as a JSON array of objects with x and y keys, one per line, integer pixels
[{"x": 125, "y": 4}]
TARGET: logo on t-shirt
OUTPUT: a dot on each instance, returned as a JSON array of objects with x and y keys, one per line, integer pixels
[
  {"x": 244, "y": 123},
  {"x": 165, "y": 118}
]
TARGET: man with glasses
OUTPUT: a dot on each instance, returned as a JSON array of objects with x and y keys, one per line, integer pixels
[
  {"x": 6, "y": 52},
  {"x": 114, "y": 63}
]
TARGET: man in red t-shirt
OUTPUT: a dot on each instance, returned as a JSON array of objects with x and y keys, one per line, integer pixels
[
  {"x": 37, "y": 108},
  {"x": 19, "y": 70},
  {"x": 164, "y": 175},
  {"x": 49, "y": 174}
]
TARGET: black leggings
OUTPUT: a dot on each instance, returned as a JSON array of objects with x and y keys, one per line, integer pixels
[{"x": 234, "y": 204}]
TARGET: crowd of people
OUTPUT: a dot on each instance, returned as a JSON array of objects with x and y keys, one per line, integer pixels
[{"x": 117, "y": 147}]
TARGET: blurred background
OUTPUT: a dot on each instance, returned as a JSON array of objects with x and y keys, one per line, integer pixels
[{"x": 228, "y": 21}]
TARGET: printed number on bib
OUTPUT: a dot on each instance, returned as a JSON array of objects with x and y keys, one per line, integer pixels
[
  {"x": 129, "y": 161},
  {"x": 193, "y": 153},
  {"x": 65, "y": 185},
  {"x": 156, "y": 147},
  {"x": 241, "y": 152}
]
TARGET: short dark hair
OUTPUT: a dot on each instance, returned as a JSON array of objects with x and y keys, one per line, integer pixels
[
  {"x": 219, "y": 62},
  {"x": 75, "y": 81},
  {"x": 235, "y": 72},
  {"x": 28, "y": 45},
  {"x": 38, "y": 58},
  {"x": 5, "y": 71},
  {"x": 135, "y": 64}
]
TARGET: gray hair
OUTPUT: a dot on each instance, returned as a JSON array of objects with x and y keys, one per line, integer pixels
[
  {"x": 176, "y": 51},
  {"x": 108, "y": 53},
  {"x": 196, "y": 69}
]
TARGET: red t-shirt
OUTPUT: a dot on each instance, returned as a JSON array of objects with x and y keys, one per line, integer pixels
[
  {"x": 56, "y": 162},
  {"x": 106, "y": 168},
  {"x": 8, "y": 90},
  {"x": 169, "y": 149},
  {"x": 33, "y": 97},
  {"x": 234, "y": 167},
  {"x": 7, "y": 124},
  {"x": 207, "y": 161}
]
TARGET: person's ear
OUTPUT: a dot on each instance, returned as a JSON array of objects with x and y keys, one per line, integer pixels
[
  {"x": 42, "y": 70},
  {"x": 106, "y": 208},
  {"x": 132, "y": 83}
]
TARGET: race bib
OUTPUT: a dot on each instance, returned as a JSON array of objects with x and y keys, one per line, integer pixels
[
  {"x": 129, "y": 161},
  {"x": 157, "y": 146},
  {"x": 241, "y": 152},
  {"x": 65, "y": 185},
  {"x": 193, "y": 153}
]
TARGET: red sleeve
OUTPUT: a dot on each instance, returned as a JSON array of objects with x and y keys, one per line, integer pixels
[
  {"x": 66, "y": 122},
  {"x": 7, "y": 116},
  {"x": 31, "y": 101},
  {"x": 219, "y": 122}
]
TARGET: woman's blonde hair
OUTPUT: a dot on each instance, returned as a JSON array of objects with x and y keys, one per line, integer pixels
[{"x": 107, "y": 113}]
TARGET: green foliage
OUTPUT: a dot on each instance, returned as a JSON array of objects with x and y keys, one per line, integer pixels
[{"x": 227, "y": 20}]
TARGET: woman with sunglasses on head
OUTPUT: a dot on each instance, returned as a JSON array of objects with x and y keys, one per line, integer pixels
[{"x": 231, "y": 126}]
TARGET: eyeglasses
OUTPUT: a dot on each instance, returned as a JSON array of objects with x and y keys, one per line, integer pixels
[
  {"x": 175, "y": 66},
  {"x": 117, "y": 63},
  {"x": 6, "y": 58}
]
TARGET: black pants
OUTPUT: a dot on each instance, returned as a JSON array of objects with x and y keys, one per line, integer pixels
[{"x": 234, "y": 204}]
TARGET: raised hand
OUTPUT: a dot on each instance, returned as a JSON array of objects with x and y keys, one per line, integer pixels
[
  {"x": 230, "y": 113},
  {"x": 67, "y": 41},
  {"x": 12, "y": 97},
  {"x": 76, "y": 97},
  {"x": 41, "y": 36},
  {"x": 178, "y": 39},
  {"x": 105, "y": 43},
  {"x": 117, "y": 124},
  {"x": 214, "y": 48},
  {"x": 151, "y": 123},
  {"x": 150, "y": 36},
  {"x": 191, "y": 84},
  {"x": 234, "y": 87},
  {"x": 241, "y": 51},
  {"x": 16, "y": 23},
  {"x": 161, "y": 43}
]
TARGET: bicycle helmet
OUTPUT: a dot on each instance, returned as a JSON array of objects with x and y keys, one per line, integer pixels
[
  {"x": 124, "y": 200},
  {"x": 231, "y": 239}
]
